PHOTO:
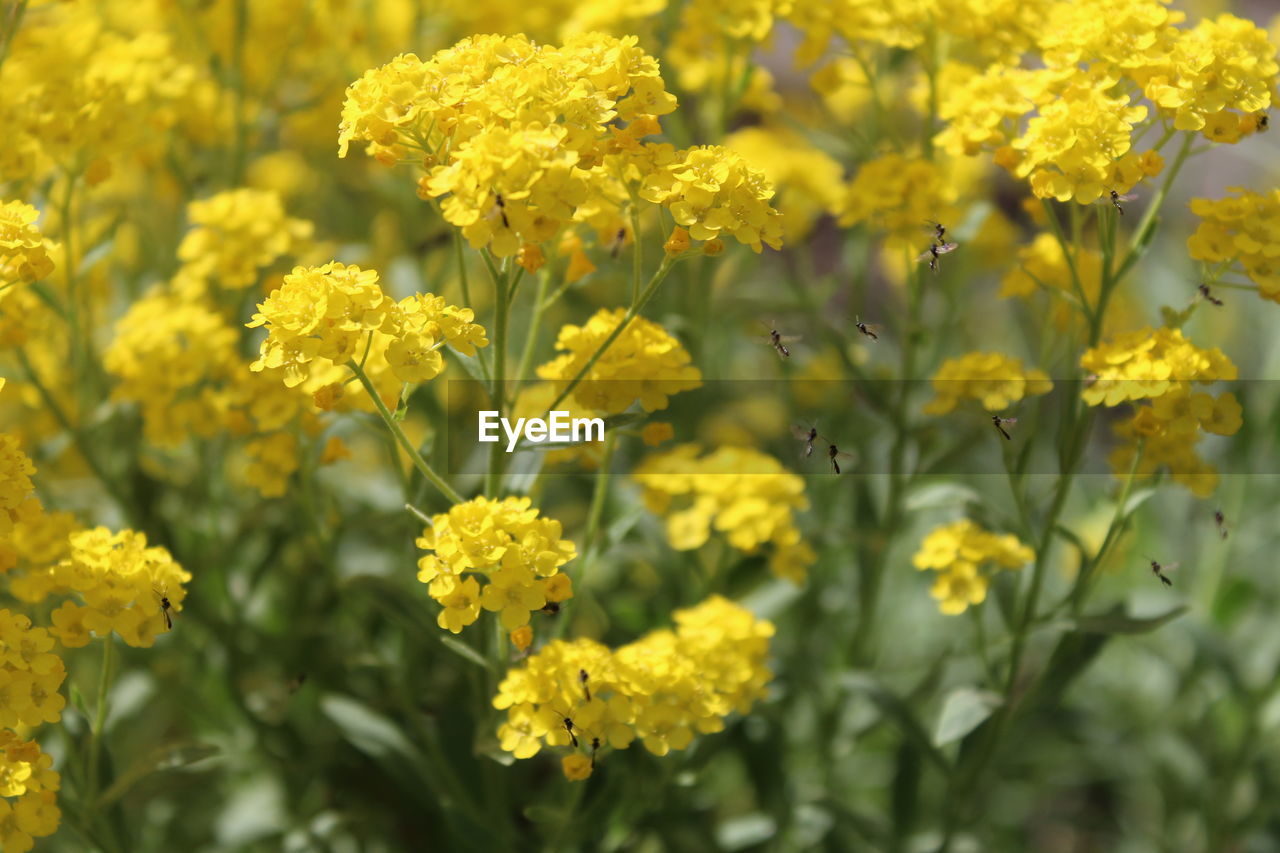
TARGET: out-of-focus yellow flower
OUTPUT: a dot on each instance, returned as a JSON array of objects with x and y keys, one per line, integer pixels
[
  {"x": 26, "y": 773},
  {"x": 643, "y": 364},
  {"x": 960, "y": 552},
  {"x": 661, "y": 689},
  {"x": 24, "y": 252},
  {"x": 744, "y": 494},
  {"x": 1149, "y": 363},
  {"x": 995, "y": 380},
  {"x": 656, "y": 433},
  {"x": 237, "y": 234},
  {"x": 1244, "y": 229},
  {"x": 898, "y": 195},
  {"x": 806, "y": 179}
]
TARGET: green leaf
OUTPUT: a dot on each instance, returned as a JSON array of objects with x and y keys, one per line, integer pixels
[
  {"x": 935, "y": 495},
  {"x": 1136, "y": 499},
  {"x": 964, "y": 709},
  {"x": 462, "y": 650},
  {"x": 366, "y": 729},
  {"x": 1117, "y": 622},
  {"x": 162, "y": 759},
  {"x": 895, "y": 709}
]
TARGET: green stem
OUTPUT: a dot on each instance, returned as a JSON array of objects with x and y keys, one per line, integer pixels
[
  {"x": 636, "y": 308},
  {"x": 1118, "y": 521},
  {"x": 1140, "y": 236},
  {"x": 535, "y": 328},
  {"x": 598, "y": 498},
  {"x": 392, "y": 424},
  {"x": 100, "y": 721},
  {"x": 498, "y": 388},
  {"x": 482, "y": 355}
]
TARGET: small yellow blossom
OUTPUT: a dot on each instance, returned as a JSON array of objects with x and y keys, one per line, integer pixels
[
  {"x": 958, "y": 552},
  {"x": 995, "y": 380}
]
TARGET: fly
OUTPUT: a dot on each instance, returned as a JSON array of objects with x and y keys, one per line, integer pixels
[
  {"x": 1208, "y": 294},
  {"x": 1159, "y": 571},
  {"x": 868, "y": 330},
  {"x": 934, "y": 252},
  {"x": 1220, "y": 520},
  {"x": 836, "y": 456},
  {"x": 502, "y": 209},
  {"x": 618, "y": 240},
  {"x": 778, "y": 341},
  {"x": 939, "y": 230},
  {"x": 996, "y": 422},
  {"x": 808, "y": 435},
  {"x": 586, "y": 689},
  {"x": 1115, "y": 199},
  {"x": 165, "y": 607}
]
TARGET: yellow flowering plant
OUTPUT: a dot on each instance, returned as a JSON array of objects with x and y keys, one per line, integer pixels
[{"x": 915, "y": 348}]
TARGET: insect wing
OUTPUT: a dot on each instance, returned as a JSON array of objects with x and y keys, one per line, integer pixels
[
  {"x": 944, "y": 248},
  {"x": 803, "y": 433}
]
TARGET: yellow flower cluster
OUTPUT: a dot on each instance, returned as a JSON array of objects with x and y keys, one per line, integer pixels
[
  {"x": 644, "y": 363},
  {"x": 15, "y": 481},
  {"x": 24, "y": 252},
  {"x": 76, "y": 91},
  {"x": 1244, "y": 229},
  {"x": 238, "y": 234},
  {"x": 328, "y": 313},
  {"x": 1222, "y": 64},
  {"x": 661, "y": 689},
  {"x": 1159, "y": 365},
  {"x": 993, "y": 379},
  {"x": 711, "y": 190},
  {"x": 514, "y": 134},
  {"x": 807, "y": 179},
  {"x": 30, "y": 674},
  {"x": 518, "y": 554},
  {"x": 1149, "y": 363},
  {"x": 963, "y": 554},
  {"x": 122, "y": 582},
  {"x": 28, "y": 786},
  {"x": 898, "y": 194},
  {"x": 745, "y": 494}
]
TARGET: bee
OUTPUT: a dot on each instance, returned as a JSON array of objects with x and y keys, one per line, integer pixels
[
  {"x": 1208, "y": 294},
  {"x": 996, "y": 422},
  {"x": 501, "y": 207},
  {"x": 866, "y": 329},
  {"x": 808, "y": 435},
  {"x": 618, "y": 240},
  {"x": 586, "y": 689},
  {"x": 162, "y": 595},
  {"x": 1159, "y": 571},
  {"x": 836, "y": 456},
  {"x": 934, "y": 252},
  {"x": 1220, "y": 520},
  {"x": 1115, "y": 198},
  {"x": 778, "y": 341}
]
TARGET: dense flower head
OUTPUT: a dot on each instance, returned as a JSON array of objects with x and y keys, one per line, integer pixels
[
  {"x": 173, "y": 356},
  {"x": 30, "y": 674},
  {"x": 237, "y": 234},
  {"x": 24, "y": 252},
  {"x": 644, "y": 364},
  {"x": 15, "y": 481},
  {"x": 711, "y": 191},
  {"x": 513, "y": 135},
  {"x": 1222, "y": 64},
  {"x": 325, "y": 316},
  {"x": 123, "y": 584},
  {"x": 503, "y": 542},
  {"x": 662, "y": 689},
  {"x": 1244, "y": 229},
  {"x": 28, "y": 792},
  {"x": 1123, "y": 34},
  {"x": 994, "y": 379},
  {"x": 741, "y": 493},
  {"x": 75, "y": 90},
  {"x": 1164, "y": 434},
  {"x": 1068, "y": 149},
  {"x": 964, "y": 554},
  {"x": 898, "y": 194},
  {"x": 983, "y": 106},
  {"x": 1149, "y": 363},
  {"x": 807, "y": 179}
]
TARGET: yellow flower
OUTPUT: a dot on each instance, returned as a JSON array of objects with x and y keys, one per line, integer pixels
[
  {"x": 744, "y": 494},
  {"x": 239, "y": 233},
  {"x": 661, "y": 689},
  {"x": 643, "y": 363},
  {"x": 958, "y": 551},
  {"x": 518, "y": 554},
  {"x": 24, "y": 253},
  {"x": 995, "y": 380},
  {"x": 1149, "y": 363},
  {"x": 576, "y": 767},
  {"x": 1243, "y": 230}
]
